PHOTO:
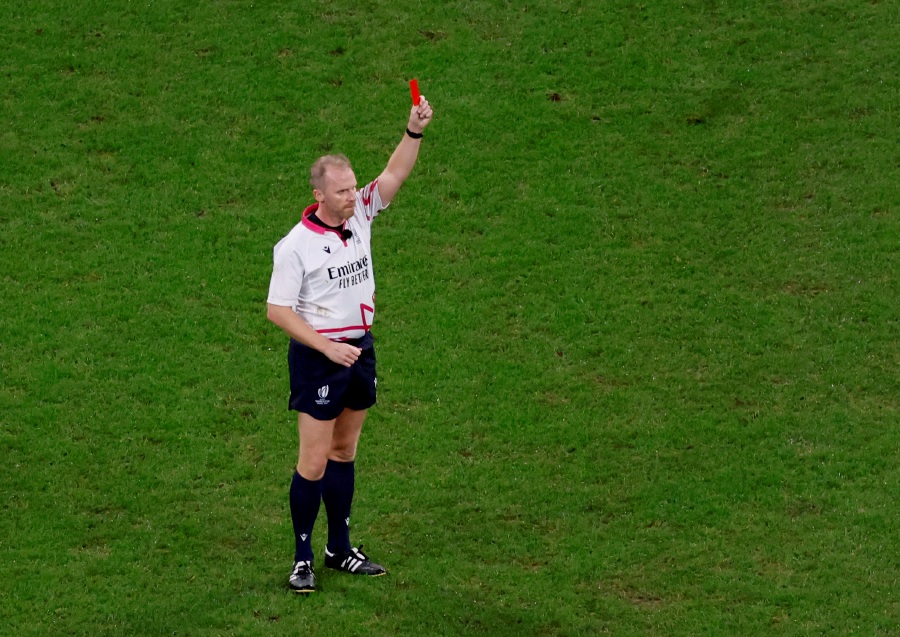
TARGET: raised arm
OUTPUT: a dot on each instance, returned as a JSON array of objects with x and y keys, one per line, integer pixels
[{"x": 404, "y": 158}]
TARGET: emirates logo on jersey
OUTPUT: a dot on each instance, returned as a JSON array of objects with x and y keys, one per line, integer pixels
[{"x": 350, "y": 268}]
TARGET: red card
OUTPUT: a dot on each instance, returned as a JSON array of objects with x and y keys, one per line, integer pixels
[{"x": 414, "y": 91}]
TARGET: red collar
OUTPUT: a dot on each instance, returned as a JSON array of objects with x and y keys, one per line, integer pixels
[{"x": 311, "y": 225}]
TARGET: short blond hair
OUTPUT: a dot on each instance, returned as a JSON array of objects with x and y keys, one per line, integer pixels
[{"x": 322, "y": 164}]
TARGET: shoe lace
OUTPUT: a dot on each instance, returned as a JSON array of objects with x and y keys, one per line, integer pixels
[
  {"x": 359, "y": 554},
  {"x": 302, "y": 568}
]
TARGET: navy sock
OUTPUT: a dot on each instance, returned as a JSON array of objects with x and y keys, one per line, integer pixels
[
  {"x": 306, "y": 495},
  {"x": 337, "y": 494}
]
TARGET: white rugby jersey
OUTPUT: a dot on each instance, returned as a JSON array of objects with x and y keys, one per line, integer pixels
[{"x": 326, "y": 280}]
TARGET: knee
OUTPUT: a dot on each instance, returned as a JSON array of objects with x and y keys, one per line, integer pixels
[
  {"x": 343, "y": 448},
  {"x": 311, "y": 473},
  {"x": 343, "y": 453},
  {"x": 312, "y": 467}
]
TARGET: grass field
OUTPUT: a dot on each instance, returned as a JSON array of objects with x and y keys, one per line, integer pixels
[{"x": 637, "y": 331}]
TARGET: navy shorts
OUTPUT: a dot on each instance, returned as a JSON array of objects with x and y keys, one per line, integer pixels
[{"x": 322, "y": 388}]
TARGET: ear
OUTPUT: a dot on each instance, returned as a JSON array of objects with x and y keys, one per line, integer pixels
[{"x": 319, "y": 195}]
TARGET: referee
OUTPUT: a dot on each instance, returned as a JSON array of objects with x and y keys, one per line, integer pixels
[{"x": 322, "y": 294}]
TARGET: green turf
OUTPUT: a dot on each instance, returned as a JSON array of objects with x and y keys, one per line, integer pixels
[{"x": 637, "y": 330}]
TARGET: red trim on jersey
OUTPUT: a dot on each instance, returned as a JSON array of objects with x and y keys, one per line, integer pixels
[
  {"x": 366, "y": 193},
  {"x": 309, "y": 225},
  {"x": 366, "y": 196},
  {"x": 331, "y": 330},
  {"x": 366, "y": 326},
  {"x": 362, "y": 310}
]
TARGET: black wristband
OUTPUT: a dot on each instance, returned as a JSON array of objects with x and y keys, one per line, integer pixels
[{"x": 413, "y": 135}]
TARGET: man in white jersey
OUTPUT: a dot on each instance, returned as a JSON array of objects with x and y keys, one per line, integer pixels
[{"x": 322, "y": 294}]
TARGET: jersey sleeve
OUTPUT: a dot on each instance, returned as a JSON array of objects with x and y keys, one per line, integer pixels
[
  {"x": 369, "y": 198},
  {"x": 287, "y": 276}
]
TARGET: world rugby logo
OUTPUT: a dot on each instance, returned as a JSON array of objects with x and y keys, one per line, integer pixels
[{"x": 323, "y": 396}]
